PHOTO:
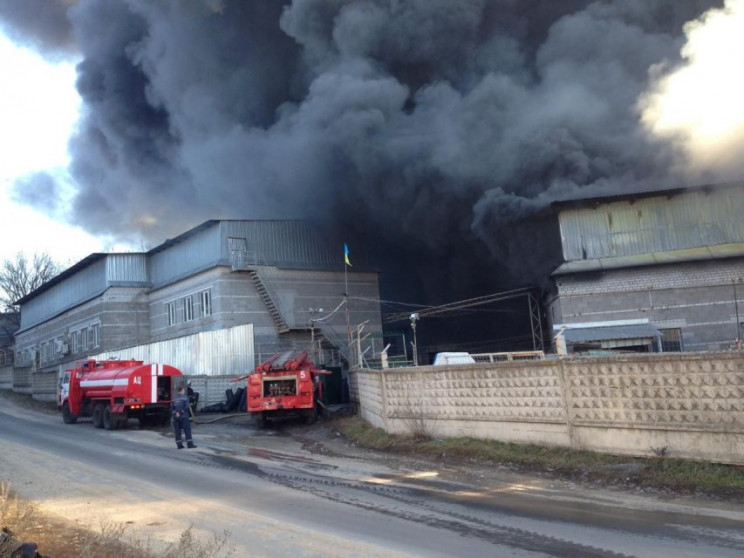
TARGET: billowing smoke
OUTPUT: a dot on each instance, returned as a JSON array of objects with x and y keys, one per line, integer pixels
[
  {"x": 699, "y": 104},
  {"x": 432, "y": 134}
]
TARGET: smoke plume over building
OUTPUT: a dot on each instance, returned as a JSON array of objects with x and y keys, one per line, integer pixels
[{"x": 430, "y": 133}]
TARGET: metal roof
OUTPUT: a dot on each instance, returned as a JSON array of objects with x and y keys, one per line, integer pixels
[
  {"x": 70, "y": 271},
  {"x": 702, "y": 253},
  {"x": 606, "y": 333},
  {"x": 601, "y": 199}
]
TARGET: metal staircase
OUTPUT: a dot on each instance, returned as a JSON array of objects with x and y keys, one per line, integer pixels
[
  {"x": 271, "y": 306},
  {"x": 336, "y": 339}
]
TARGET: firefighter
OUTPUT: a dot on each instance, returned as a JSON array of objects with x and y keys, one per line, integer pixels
[
  {"x": 180, "y": 413},
  {"x": 193, "y": 396}
]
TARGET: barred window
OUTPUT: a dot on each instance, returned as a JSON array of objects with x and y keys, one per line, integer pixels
[
  {"x": 171, "y": 310},
  {"x": 671, "y": 340},
  {"x": 187, "y": 304},
  {"x": 205, "y": 302}
]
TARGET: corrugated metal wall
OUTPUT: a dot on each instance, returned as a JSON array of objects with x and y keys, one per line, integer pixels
[
  {"x": 194, "y": 253},
  {"x": 208, "y": 353},
  {"x": 280, "y": 243},
  {"x": 283, "y": 243},
  {"x": 126, "y": 269},
  {"x": 113, "y": 269},
  {"x": 651, "y": 225}
]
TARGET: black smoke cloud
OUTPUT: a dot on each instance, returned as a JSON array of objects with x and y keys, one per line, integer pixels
[
  {"x": 431, "y": 134},
  {"x": 39, "y": 24}
]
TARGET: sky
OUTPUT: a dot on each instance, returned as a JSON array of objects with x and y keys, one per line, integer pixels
[
  {"x": 431, "y": 136},
  {"x": 39, "y": 108}
]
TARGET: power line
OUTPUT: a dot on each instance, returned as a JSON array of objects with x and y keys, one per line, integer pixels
[{"x": 459, "y": 305}]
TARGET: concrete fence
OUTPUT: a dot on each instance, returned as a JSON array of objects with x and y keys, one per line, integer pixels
[{"x": 688, "y": 405}]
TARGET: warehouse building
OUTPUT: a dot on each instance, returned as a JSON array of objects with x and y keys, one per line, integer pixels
[
  {"x": 651, "y": 271},
  {"x": 282, "y": 278}
]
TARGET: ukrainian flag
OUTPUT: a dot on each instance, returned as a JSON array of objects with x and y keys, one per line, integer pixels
[{"x": 346, "y": 255}]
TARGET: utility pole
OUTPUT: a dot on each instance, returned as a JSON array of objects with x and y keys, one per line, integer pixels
[
  {"x": 414, "y": 318},
  {"x": 313, "y": 312},
  {"x": 359, "y": 352}
]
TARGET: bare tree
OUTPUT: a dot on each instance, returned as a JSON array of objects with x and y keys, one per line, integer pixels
[{"x": 20, "y": 276}]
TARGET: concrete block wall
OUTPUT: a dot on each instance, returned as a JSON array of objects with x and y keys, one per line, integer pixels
[
  {"x": 704, "y": 299},
  {"x": 689, "y": 405},
  {"x": 6, "y": 377},
  {"x": 44, "y": 386},
  {"x": 22, "y": 380}
]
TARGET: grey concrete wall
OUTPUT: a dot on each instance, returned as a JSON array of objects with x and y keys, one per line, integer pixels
[
  {"x": 235, "y": 301},
  {"x": 22, "y": 380},
  {"x": 124, "y": 318},
  {"x": 44, "y": 386},
  {"x": 704, "y": 299},
  {"x": 121, "y": 313},
  {"x": 691, "y": 404},
  {"x": 6, "y": 377}
]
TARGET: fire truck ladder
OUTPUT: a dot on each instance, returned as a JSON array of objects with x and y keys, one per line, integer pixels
[{"x": 271, "y": 306}]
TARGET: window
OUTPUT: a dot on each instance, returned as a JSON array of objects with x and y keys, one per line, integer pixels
[
  {"x": 238, "y": 252},
  {"x": 671, "y": 340},
  {"x": 171, "y": 309},
  {"x": 188, "y": 308},
  {"x": 84, "y": 339},
  {"x": 95, "y": 331},
  {"x": 205, "y": 301},
  {"x": 75, "y": 335}
]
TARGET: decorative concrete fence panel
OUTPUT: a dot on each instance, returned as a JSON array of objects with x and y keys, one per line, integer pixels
[
  {"x": 517, "y": 402},
  {"x": 369, "y": 389},
  {"x": 687, "y": 405}
]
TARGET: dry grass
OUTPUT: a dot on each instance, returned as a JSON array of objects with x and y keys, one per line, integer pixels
[{"x": 22, "y": 522}]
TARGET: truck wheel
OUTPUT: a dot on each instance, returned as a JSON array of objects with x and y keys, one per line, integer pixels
[
  {"x": 67, "y": 415},
  {"x": 261, "y": 421},
  {"x": 108, "y": 420},
  {"x": 98, "y": 415}
]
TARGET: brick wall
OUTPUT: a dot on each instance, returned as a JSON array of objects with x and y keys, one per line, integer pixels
[{"x": 690, "y": 404}]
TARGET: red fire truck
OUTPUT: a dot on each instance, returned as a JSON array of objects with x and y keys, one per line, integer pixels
[
  {"x": 285, "y": 385},
  {"x": 113, "y": 391}
]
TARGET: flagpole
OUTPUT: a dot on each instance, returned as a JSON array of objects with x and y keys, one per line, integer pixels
[{"x": 346, "y": 297}]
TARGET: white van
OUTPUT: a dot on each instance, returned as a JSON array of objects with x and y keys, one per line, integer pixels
[{"x": 453, "y": 358}]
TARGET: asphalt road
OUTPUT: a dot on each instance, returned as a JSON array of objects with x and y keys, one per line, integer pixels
[{"x": 303, "y": 492}]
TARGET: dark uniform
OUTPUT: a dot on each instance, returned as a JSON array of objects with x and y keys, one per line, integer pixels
[
  {"x": 193, "y": 396},
  {"x": 181, "y": 419}
]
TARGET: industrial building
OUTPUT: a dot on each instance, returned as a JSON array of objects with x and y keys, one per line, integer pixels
[
  {"x": 652, "y": 271},
  {"x": 256, "y": 287}
]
